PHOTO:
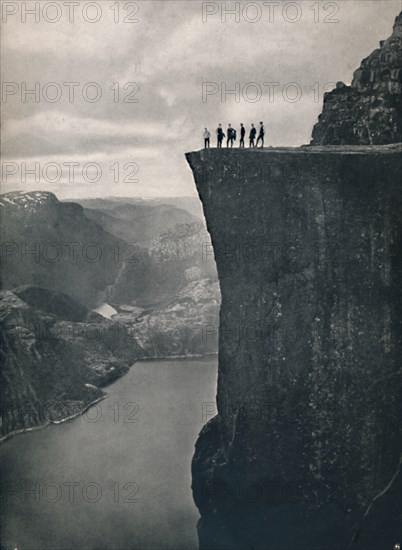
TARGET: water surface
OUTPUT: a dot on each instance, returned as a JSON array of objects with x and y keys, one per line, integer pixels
[
  {"x": 118, "y": 477},
  {"x": 106, "y": 310}
]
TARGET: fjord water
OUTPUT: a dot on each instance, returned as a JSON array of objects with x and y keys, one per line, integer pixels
[
  {"x": 106, "y": 310},
  {"x": 118, "y": 477}
]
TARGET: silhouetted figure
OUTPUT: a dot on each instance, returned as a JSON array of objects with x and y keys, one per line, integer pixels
[
  {"x": 253, "y": 133},
  {"x": 242, "y": 134},
  {"x": 261, "y": 135},
  {"x": 220, "y": 135},
  {"x": 207, "y": 137},
  {"x": 231, "y": 136}
]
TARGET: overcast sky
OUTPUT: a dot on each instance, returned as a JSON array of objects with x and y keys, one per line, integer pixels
[{"x": 170, "y": 53}]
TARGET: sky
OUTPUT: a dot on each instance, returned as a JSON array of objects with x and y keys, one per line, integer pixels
[{"x": 121, "y": 90}]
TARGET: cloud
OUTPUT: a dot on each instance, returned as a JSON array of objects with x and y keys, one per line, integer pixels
[
  {"x": 170, "y": 52},
  {"x": 58, "y": 123},
  {"x": 58, "y": 132}
]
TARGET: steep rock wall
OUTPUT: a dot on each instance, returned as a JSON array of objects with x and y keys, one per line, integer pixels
[
  {"x": 304, "y": 451},
  {"x": 370, "y": 110}
]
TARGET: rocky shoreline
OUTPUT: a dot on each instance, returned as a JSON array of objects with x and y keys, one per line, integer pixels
[
  {"x": 57, "y": 357},
  {"x": 10, "y": 435}
]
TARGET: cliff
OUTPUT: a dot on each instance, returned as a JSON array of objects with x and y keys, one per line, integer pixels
[
  {"x": 56, "y": 355},
  {"x": 304, "y": 452},
  {"x": 370, "y": 110}
]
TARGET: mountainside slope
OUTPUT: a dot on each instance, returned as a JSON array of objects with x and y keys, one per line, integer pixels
[
  {"x": 154, "y": 275},
  {"x": 186, "y": 327},
  {"x": 56, "y": 355},
  {"x": 138, "y": 222},
  {"x": 51, "y": 244}
]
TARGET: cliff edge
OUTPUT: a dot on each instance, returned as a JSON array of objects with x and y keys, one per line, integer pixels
[{"x": 304, "y": 452}]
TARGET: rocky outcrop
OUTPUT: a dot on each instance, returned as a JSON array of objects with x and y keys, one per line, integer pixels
[
  {"x": 186, "y": 327},
  {"x": 56, "y": 355},
  {"x": 370, "y": 110},
  {"x": 156, "y": 274},
  {"x": 304, "y": 452}
]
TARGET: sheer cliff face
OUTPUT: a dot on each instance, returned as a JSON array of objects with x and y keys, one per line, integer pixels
[
  {"x": 304, "y": 451},
  {"x": 370, "y": 110}
]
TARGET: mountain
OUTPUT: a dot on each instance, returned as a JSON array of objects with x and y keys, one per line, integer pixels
[
  {"x": 187, "y": 326},
  {"x": 166, "y": 292},
  {"x": 150, "y": 272},
  {"x": 155, "y": 275},
  {"x": 137, "y": 221},
  {"x": 190, "y": 204},
  {"x": 56, "y": 355},
  {"x": 52, "y": 244}
]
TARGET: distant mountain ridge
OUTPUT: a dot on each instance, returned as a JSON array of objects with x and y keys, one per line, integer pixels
[
  {"x": 137, "y": 221},
  {"x": 191, "y": 203}
]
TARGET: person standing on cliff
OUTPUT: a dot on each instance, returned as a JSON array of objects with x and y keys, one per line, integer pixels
[
  {"x": 220, "y": 135},
  {"x": 242, "y": 134},
  {"x": 261, "y": 135},
  {"x": 231, "y": 136},
  {"x": 207, "y": 136},
  {"x": 253, "y": 133}
]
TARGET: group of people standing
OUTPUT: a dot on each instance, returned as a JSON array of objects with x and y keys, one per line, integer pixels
[{"x": 232, "y": 134}]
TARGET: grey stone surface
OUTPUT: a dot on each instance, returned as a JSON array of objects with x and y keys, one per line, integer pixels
[
  {"x": 304, "y": 453},
  {"x": 370, "y": 110}
]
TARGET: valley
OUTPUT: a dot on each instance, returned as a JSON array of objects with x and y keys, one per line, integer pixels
[{"x": 89, "y": 288}]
